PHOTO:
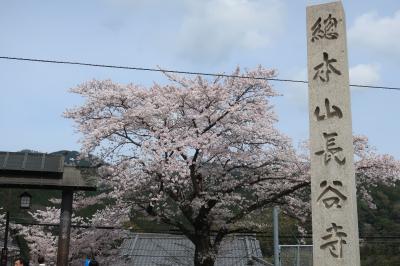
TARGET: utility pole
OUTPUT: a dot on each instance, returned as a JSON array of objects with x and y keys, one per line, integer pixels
[{"x": 276, "y": 236}]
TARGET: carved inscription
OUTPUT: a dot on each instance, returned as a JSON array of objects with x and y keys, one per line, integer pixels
[
  {"x": 334, "y": 240},
  {"x": 335, "y": 230},
  {"x": 331, "y": 195},
  {"x": 324, "y": 69},
  {"x": 324, "y": 29},
  {"x": 331, "y": 149},
  {"x": 329, "y": 113}
]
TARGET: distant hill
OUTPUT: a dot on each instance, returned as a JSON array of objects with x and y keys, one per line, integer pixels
[
  {"x": 70, "y": 157},
  {"x": 73, "y": 158}
]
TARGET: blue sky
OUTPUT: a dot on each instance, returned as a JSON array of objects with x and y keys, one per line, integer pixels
[{"x": 192, "y": 35}]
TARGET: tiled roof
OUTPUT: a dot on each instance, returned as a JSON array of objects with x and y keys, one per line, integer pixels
[
  {"x": 31, "y": 162},
  {"x": 72, "y": 178},
  {"x": 39, "y": 170},
  {"x": 169, "y": 250}
]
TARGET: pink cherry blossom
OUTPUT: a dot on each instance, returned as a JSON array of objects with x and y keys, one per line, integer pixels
[{"x": 202, "y": 154}]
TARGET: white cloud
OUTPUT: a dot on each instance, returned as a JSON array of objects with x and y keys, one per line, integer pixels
[
  {"x": 212, "y": 30},
  {"x": 381, "y": 34},
  {"x": 364, "y": 74},
  {"x": 296, "y": 93}
]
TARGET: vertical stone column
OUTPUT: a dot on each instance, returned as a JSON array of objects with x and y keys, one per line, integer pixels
[
  {"x": 334, "y": 203},
  {"x": 65, "y": 227}
]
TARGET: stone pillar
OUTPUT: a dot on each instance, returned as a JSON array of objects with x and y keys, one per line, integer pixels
[
  {"x": 333, "y": 191},
  {"x": 65, "y": 227}
]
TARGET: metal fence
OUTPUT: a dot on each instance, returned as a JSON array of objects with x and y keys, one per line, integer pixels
[{"x": 296, "y": 255}]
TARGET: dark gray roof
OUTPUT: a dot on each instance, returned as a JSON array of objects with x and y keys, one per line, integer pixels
[
  {"x": 73, "y": 178},
  {"x": 146, "y": 249},
  {"x": 43, "y": 171},
  {"x": 18, "y": 162}
]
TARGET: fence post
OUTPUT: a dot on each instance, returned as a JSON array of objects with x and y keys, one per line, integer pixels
[{"x": 298, "y": 255}]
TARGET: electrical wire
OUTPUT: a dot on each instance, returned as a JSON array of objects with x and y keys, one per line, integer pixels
[
  {"x": 177, "y": 232},
  {"x": 177, "y": 71}
]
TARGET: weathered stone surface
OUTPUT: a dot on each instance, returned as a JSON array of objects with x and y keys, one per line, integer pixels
[{"x": 334, "y": 205}]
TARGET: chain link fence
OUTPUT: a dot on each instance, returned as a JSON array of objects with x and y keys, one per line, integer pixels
[{"x": 296, "y": 255}]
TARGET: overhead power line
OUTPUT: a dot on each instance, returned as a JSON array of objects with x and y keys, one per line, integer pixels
[
  {"x": 258, "y": 234},
  {"x": 176, "y": 71},
  {"x": 74, "y": 225}
]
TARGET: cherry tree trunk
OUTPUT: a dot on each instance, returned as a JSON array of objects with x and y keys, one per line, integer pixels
[{"x": 204, "y": 254}]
